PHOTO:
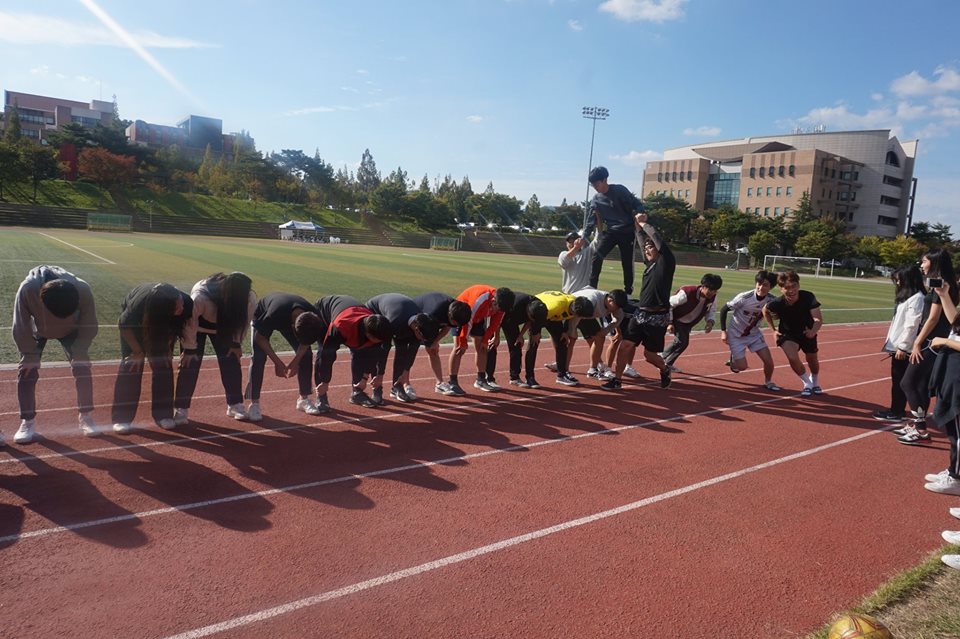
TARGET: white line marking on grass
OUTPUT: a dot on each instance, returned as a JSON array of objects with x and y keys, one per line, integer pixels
[
  {"x": 74, "y": 246},
  {"x": 270, "y": 613},
  {"x": 43, "y": 532}
]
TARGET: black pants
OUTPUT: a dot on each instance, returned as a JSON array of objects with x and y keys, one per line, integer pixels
[
  {"x": 231, "y": 374},
  {"x": 609, "y": 239},
  {"x": 404, "y": 357},
  {"x": 126, "y": 390},
  {"x": 259, "y": 362},
  {"x": 953, "y": 430},
  {"x": 511, "y": 331},
  {"x": 681, "y": 340},
  {"x": 916, "y": 382},
  {"x": 556, "y": 331},
  {"x": 898, "y": 399},
  {"x": 365, "y": 361},
  {"x": 28, "y": 372}
]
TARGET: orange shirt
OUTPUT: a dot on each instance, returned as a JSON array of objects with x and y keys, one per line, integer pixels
[{"x": 480, "y": 299}]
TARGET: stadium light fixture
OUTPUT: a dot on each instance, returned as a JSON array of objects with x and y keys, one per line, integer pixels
[{"x": 592, "y": 113}]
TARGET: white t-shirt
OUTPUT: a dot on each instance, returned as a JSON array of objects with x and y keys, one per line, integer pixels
[{"x": 746, "y": 312}]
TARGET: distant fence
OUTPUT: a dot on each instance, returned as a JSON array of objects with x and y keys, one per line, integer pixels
[{"x": 108, "y": 222}]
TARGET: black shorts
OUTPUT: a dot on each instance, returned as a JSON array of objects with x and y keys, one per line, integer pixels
[
  {"x": 476, "y": 330},
  {"x": 807, "y": 344},
  {"x": 589, "y": 327},
  {"x": 652, "y": 337}
]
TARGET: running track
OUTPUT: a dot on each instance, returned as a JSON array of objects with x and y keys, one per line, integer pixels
[{"x": 712, "y": 509}]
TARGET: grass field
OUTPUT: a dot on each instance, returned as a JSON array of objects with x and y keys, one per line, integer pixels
[{"x": 115, "y": 263}]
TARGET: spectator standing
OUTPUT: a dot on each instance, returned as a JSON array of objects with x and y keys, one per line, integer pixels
[
  {"x": 612, "y": 213},
  {"x": 908, "y": 297}
]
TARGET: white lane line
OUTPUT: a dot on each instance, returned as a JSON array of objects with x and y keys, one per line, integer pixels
[
  {"x": 74, "y": 246},
  {"x": 464, "y": 407},
  {"x": 44, "y": 532},
  {"x": 270, "y": 613}
]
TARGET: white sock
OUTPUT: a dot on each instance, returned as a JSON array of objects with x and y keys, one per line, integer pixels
[
  {"x": 813, "y": 379},
  {"x": 807, "y": 381}
]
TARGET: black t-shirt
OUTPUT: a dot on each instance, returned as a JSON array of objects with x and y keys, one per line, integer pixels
[
  {"x": 436, "y": 305},
  {"x": 794, "y": 318},
  {"x": 330, "y": 306},
  {"x": 517, "y": 314},
  {"x": 134, "y": 306},
  {"x": 942, "y": 329},
  {"x": 399, "y": 310},
  {"x": 657, "y": 281},
  {"x": 274, "y": 312}
]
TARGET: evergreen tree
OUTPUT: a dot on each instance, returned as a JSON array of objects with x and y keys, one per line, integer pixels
[
  {"x": 12, "y": 128},
  {"x": 368, "y": 178},
  {"x": 425, "y": 184},
  {"x": 40, "y": 163}
]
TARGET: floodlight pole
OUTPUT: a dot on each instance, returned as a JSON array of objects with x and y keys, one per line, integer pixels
[{"x": 592, "y": 113}]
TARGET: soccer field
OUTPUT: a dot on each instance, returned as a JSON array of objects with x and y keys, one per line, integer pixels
[{"x": 115, "y": 263}]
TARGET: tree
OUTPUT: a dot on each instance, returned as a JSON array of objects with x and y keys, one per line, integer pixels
[
  {"x": 387, "y": 199},
  {"x": 815, "y": 243},
  {"x": 762, "y": 243},
  {"x": 40, "y": 163},
  {"x": 12, "y": 167},
  {"x": 900, "y": 251},
  {"x": 107, "y": 169},
  {"x": 425, "y": 184},
  {"x": 868, "y": 248},
  {"x": 368, "y": 178},
  {"x": 12, "y": 128},
  {"x": 732, "y": 226}
]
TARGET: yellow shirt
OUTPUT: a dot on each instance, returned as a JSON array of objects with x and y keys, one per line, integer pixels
[{"x": 558, "y": 305}]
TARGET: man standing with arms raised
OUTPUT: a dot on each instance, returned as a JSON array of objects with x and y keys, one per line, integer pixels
[{"x": 611, "y": 213}]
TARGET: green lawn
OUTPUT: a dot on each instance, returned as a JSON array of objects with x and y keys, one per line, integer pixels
[{"x": 317, "y": 270}]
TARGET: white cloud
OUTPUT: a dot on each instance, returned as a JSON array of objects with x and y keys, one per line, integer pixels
[
  {"x": 311, "y": 110},
  {"x": 907, "y": 111},
  {"x": 645, "y": 10},
  {"x": 638, "y": 158},
  {"x": 913, "y": 84},
  {"x": 29, "y": 28},
  {"x": 362, "y": 72},
  {"x": 703, "y": 131},
  {"x": 876, "y": 97},
  {"x": 575, "y": 25},
  {"x": 350, "y": 89},
  {"x": 41, "y": 70},
  {"x": 475, "y": 118}
]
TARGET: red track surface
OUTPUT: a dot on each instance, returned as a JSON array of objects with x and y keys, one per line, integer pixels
[{"x": 746, "y": 513}]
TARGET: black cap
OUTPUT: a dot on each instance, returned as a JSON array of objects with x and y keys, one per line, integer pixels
[{"x": 572, "y": 236}]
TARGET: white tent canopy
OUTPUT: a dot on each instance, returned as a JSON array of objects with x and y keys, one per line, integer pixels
[{"x": 299, "y": 230}]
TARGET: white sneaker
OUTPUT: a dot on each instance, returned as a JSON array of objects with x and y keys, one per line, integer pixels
[
  {"x": 306, "y": 405},
  {"x": 946, "y": 486},
  {"x": 167, "y": 423},
  {"x": 674, "y": 369},
  {"x": 88, "y": 427},
  {"x": 253, "y": 412},
  {"x": 951, "y": 560},
  {"x": 631, "y": 372},
  {"x": 412, "y": 394},
  {"x": 26, "y": 432},
  {"x": 937, "y": 476},
  {"x": 180, "y": 417},
  {"x": 123, "y": 428},
  {"x": 552, "y": 366},
  {"x": 955, "y": 512},
  {"x": 951, "y": 537},
  {"x": 237, "y": 411}
]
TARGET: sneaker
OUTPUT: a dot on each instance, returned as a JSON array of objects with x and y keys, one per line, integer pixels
[
  {"x": 806, "y": 392},
  {"x": 450, "y": 389},
  {"x": 237, "y": 411},
  {"x": 951, "y": 560},
  {"x": 122, "y": 428},
  {"x": 955, "y": 512},
  {"x": 887, "y": 416},
  {"x": 166, "y": 423},
  {"x": 361, "y": 399},
  {"x": 665, "y": 378},
  {"x": 377, "y": 395},
  {"x": 567, "y": 379},
  {"x": 552, "y": 367},
  {"x": 484, "y": 385},
  {"x": 771, "y": 386},
  {"x": 88, "y": 427},
  {"x": 493, "y": 384},
  {"x": 180, "y": 417},
  {"x": 674, "y": 369},
  {"x": 817, "y": 390},
  {"x": 306, "y": 405},
  {"x": 27, "y": 431},
  {"x": 516, "y": 381},
  {"x": 631, "y": 372},
  {"x": 253, "y": 412},
  {"x": 729, "y": 364},
  {"x": 611, "y": 384},
  {"x": 951, "y": 537},
  {"x": 946, "y": 486},
  {"x": 914, "y": 436},
  {"x": 412, "y": 394},
  {"x": 399, "y": 394},
  {"x": 593, "y": 373},
  {"x": 530, "y": 382},
  {"x": 905, "y": 428},
  {"x": 933, "y": 477}
]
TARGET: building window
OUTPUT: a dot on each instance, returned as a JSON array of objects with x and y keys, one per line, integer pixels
[
  {"x": 786, "y": 210},
  {"x": 892, "y": 181},
  {"x": 883, "y": 220},
  {"x": 889, "y": 201},
  {"x": 780, "y": 170},
  {"x": 750, "y": 191},
  {"x": 659, "y": 177},
  {"x": 791, "y": 171},
  {"x": 682, "y": 174},
  {"x": 763, "y": 171},
  {"x": 689, "y": 175},
  {"x": 779, "y": 191},
  {"x": 833, "y": 173},
  {"x": 789, "y": 190},
  {"x": 776, "y": 210},
  {"x": 770, "y": 172},
  {"x": 769, "y": 191},
  {"x": 666, "y": 177},
  {"x": 892, "y": 159},
  {"x": 673, "y": 176},
  {"x": 753, "y": 172},
  {"x": 748, "y": 210},
  {"x": 688, "y": 193},
  {"x": 766, "y": 211},
  {"x": 759, "y": 191}
]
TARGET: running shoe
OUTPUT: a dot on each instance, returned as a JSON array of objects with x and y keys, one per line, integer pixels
[
  {"x": 817, "y": 390},
  {"x": 914, "y": 436},
  {"x": 934, "y": 477},
  {"x": 88, "y": 427},
  {"x": 771, "y": 386},
  {"x": 180, "y": 417},
  {"x": 529, "y": 383},
  {"x": 306, "y": 405},
  {"x": 360, "y": 398},
  {"x": 951, "y": 537},
  {"x": 955, "y": 512},
  {"x": 631, "y": 372},
  {"x": 905, "y": 428},
  {"x": 887, "y": 416},
  {"x": 377, "y": 395},
  {"x": 665, "y": 378},
  {"x": 253, "y": 412},
  {"x": 807, "y": 391},
  {"x": 399, "y": 394},
  {"x": 454, "y": 389},
  {"x": 237, "y": 412},
  {"x": 123, "y": 428},
  {"x": 412, "y": 394},
  {"x": 493, "y": 384},
  {"x": 567, "y": 379},
  {"x": 27, "y": 431},
  {"x": 516, "y": 381},
  {"x": 946, "y": 486},
  {"x": 611, "y": 384},
  {"x": 484, "y": 385},
  {"x": 166, "y": 423},
  {"x": 951, "y": 560}
]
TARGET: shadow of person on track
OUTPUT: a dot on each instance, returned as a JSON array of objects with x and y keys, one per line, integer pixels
[
  {"x": 183, "y": 485},
  {"x": 69, "y": 499},
  {"x": 11, "y": 523}
]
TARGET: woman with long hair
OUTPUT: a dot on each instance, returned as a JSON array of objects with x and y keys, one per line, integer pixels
[
  {"x": 223, "y": 306},
  {"x": 936, "y": 265},
  {"x": 908, "y": 297},
  {"x": 152, "y": 318}
]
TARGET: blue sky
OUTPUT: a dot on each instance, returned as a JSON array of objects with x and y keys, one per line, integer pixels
[{"x": 493, "y": 89}]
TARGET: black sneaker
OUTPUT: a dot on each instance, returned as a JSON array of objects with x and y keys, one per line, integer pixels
[
  {"x": 399, "y": 394},
  {"x": 530, "y": 382},
  {"x": 361, "y": 399},
  {"x": 611, "y": 384},
  {"x": 887, "y": 416},
  {"x": 455, "y": 389},
  {"x": 378, "y": 395},
  {"x": 484, "y": 385},
  {"x": 665, "y": 378},
  {"x": 567, "y": 379}
]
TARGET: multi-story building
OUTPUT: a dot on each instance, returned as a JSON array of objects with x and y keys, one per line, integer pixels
[
  {"x": 41, "y": 114},
  {"x": 192, "y": 135},
  {"x": 863, "y": 178}
]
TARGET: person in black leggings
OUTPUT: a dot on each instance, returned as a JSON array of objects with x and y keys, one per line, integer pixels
[{"x": 908, "y": 295}]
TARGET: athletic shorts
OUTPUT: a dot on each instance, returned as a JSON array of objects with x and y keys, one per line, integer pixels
[
  {"x": 807, "y": 344},
  {"x": 589, "y": 327},
  {"x": 476, "y": 330},
  {"x": 740, "y": 345},
  {"x": 649, "y": 329}
]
